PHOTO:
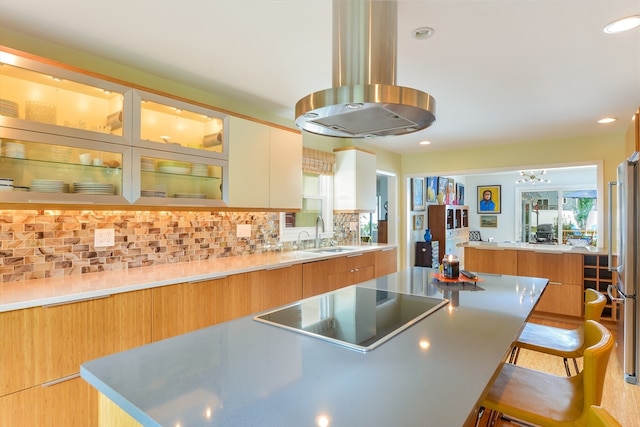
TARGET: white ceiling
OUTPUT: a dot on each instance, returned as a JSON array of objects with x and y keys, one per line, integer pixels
[{"x": 501, "y": 71}]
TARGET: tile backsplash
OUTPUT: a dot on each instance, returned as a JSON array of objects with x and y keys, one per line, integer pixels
[{"x": 48, "y": 243}]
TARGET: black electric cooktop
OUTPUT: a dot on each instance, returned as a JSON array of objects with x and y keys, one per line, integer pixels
[{"x": 354, "y": 317}]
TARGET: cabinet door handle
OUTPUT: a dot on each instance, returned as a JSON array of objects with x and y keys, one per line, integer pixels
[
  {"x": 55, "y": 304},
  {"x": 193, "y": 282},
  {"x": 354, "y": 255},
  {"x": 61, "y": 380},
  {"x": 555, "y": 283},
  {"x": 279, "y": 267},
  {"x": 389, "y": 249},
  {"x": 354, "y": 270}
]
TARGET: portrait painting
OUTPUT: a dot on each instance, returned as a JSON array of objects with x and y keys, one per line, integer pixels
[{"x": 489, "y": 199}]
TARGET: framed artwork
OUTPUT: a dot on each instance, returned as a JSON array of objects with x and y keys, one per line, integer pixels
[
  {"x": 418, "y": 222},
  {"x": 460, "y": 192},
  {"x": 489, "y": 197},
  {"x": 417, "y": 194},
  {"x": 451, "y": 192},
  {"x": 432, "y": 188},
  {"x": 489, "y": 221},
  {"x": 441, "y": 195}
]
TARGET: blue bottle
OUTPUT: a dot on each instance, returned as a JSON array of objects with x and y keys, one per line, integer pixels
[{"x": 427, "y": 235}]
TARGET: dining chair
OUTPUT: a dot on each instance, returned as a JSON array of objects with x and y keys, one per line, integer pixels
[
  {"x": 540, "y": 398},
  {"x": 600, "y": 417},
  {"x": 565, "y": 343}
]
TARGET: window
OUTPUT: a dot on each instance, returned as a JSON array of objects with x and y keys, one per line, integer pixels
[
  {"x": 317, "y": 200},
  {"x": 559, "y": 215}
]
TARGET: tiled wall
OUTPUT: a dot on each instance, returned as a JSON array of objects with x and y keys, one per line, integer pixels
[{"x": 37, "y": 244}]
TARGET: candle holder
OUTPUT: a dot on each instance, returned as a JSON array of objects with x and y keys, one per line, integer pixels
[{"x": 450, "y": 267}]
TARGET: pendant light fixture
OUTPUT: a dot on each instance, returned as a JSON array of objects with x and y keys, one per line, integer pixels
[{"x": 532, "y": 177}]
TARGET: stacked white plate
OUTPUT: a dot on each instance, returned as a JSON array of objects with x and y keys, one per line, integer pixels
[
  {"x": 146, "y": 164},
  {"x": 199, "y": 169},
  {"x": 92, "y": 188},
  {"x": 153, "y": 193},
  {"x": 6, "y": 184},
  {"x": 181, "y": 168},
  {"x": 47, "y": 186},
  {"x": 8, "y": 108},
  {"x": 190, "y": 196}
]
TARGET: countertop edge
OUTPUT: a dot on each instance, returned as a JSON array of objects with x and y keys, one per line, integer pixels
[{"x": 76, "y": 288}]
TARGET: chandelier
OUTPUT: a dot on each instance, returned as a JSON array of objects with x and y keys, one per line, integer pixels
[{"x": 532, "y": 177}]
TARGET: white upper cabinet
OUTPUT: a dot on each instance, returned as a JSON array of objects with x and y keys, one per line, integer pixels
[
  {"x": 355, "y": 180},
  {"x": 285, "y": 170},
  {"x": 265, "y": 166}
]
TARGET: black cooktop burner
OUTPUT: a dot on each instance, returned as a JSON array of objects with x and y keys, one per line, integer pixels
[{"x": 354, "y": 317}]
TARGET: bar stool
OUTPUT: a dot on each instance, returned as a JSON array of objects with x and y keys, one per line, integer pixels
[
  {"x": 565, "y": 343},
  {"x": 545, "y": 399}
]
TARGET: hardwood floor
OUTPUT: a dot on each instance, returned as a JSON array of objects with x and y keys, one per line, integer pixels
[{"x": 620, "y": 399}]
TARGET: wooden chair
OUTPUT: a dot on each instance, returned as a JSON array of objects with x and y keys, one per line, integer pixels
[
  {"x": 565, "y": 343},
  {"x": 539, "y": 398}
]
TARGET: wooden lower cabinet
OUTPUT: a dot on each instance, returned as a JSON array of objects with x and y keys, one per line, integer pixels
[
  {"x": 43, "y": 346},
  {"x": 69, "y": 403},
  {"x": 564, "y": 294},
  {"x": 335, "y": 273},
  {"x": 185, "y": 307},
  {"x": 494, "y": 261},
  {"x": 275, "y": 287},
  {"x": 386, "y": 261}
]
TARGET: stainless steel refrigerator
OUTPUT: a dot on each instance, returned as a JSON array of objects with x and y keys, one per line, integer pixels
[{"x": 627, "y": 270}]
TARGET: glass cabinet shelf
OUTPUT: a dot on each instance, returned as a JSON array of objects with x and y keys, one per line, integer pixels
[
  {"x": 33, "y": 170},
  {"x": 171, "y": 125},
  {"x": 43, "y": 95},
  {"x": 177, "y": 180}
]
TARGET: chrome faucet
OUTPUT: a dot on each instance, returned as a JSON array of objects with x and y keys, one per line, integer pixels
[
  {"x": 300, "y": 233},
  {"x": 319, "y": 221}
]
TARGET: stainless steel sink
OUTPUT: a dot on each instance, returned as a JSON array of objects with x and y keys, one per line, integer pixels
[{"x": 332, "y": 249}]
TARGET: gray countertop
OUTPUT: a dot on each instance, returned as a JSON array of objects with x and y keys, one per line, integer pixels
[{"x": 246, "y": 373}]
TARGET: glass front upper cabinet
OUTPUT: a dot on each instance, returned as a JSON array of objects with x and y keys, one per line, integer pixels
[
  {"x": 37, "y": 96},
  {"x": 175, "y": 126},
  {"x": 41, "y": 168},
  {"x": 177, "y": 179}
]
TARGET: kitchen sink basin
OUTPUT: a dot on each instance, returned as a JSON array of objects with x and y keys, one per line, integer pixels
[{"x": 332, "y": 249}]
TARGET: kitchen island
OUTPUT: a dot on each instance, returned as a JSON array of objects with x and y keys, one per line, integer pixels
[{"x": 247, "y": 373}]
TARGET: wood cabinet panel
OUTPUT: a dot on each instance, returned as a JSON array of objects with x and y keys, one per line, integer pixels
[
  {"x": 331, "y": 274},
  {"x": 386, "y": 261},
  {"x": 275, "y": 287},
  {"x": 72, "y": 403},
  {"x": 491, "y": 261},
  {"x": 564, "y": 293},
  {"x": 43, "y": 344},
  {"x": 185, "y": 307},
  {"x": 561, "y": 298}
]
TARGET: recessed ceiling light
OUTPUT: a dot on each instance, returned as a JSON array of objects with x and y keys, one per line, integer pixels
[
  {"x": 425, "y": 142},
  {"x": 423, "y": 33},
  {"x": 624, "y": 24},
  {"x": 606, "y": 120}
]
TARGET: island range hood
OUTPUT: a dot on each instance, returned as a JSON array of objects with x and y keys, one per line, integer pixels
[{"x": 364, "y": 100}]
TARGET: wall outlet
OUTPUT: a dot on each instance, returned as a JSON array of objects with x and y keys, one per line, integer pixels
[
  {"x": 104, "y": 237},
  {"x": 353, "y": 226},
  {"x": 243, "y": 230}
]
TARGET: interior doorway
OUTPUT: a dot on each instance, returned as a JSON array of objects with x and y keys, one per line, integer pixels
[{"x": 379, "y": 226}]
